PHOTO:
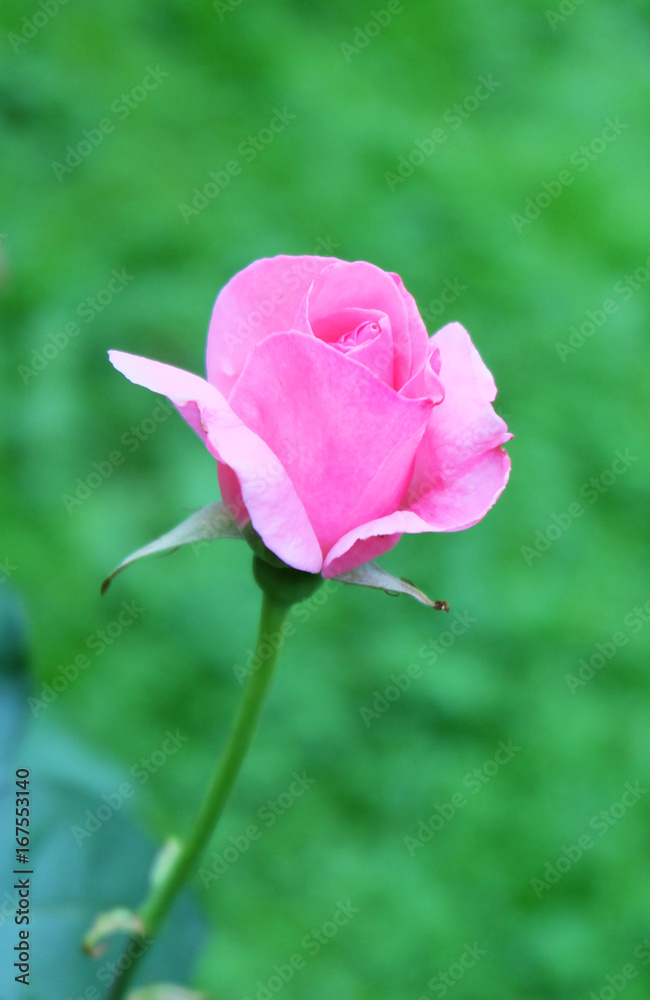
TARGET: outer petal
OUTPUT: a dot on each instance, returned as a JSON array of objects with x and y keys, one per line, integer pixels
[
  {"x": 346, "y": 439},
  {"x": 464, "y": 498},
  {"x": 370, "y": 540},
  {"x": 426, "y": 382},
  {"x": 362, "y": 286},
  {"x": 460, "y": 505},
  {"x": 357, "y": 550},
  {"x": 260, "y": 300},
  {"x": 460, "y": 469},
  {"x": 274, "y": 508},
  {"x": 465, "y": 424},
  {"x": 232, "y": 495},
  {"x": 418, "y": 336}
]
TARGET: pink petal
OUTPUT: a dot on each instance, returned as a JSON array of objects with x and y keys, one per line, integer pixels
[
  {"x": 419, "y": 336},
  {"x": 231, "y": 494},
  {"x": 463, "y": 499},
  {"x": 361, "y": 551},
  {"x": 462, "y": 503},
  {"x": 271, "y": 501},
  {"x": 426, "y": 381},
  {"x": 370, "y": 540},
  {"x": 460, "y": 469},
  {"x": 260, "y": 300},
  {"x": 465, "y": 424},
  {"x": 361, "y": 285},
  {"x": 371, "y": 341},
  {"x": 346, "y": 439}
]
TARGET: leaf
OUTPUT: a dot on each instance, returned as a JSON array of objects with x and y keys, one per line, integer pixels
[
  {"x": 372, "y": 575},
  {"x": 213, "y": 521},
  {"x": 167, "y": 991},
  {"x": 112, "y": 922}
]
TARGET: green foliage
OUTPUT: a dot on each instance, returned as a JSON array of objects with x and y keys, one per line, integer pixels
[{"x": 498, "y": 100}]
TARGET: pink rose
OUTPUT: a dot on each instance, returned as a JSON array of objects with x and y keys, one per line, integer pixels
[{"x": 336, "y": 422}]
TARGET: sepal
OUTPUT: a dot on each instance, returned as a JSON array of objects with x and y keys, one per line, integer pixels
[
  {"x": 370, "y": 574},
  {"x": 283, "y": 584},
  {"x": 213, "y": 521}
]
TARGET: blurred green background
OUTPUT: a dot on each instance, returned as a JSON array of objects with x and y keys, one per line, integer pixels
[{"x": 541, "y": 585}]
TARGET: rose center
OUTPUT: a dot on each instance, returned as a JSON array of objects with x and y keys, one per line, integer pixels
[{"x": 360, "y": 335}]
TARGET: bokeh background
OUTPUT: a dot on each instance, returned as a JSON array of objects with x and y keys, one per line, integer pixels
[{"x": 542, "y": 588}]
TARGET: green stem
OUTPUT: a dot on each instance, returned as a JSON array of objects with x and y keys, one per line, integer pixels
[{"x": 157, "y": 905}]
